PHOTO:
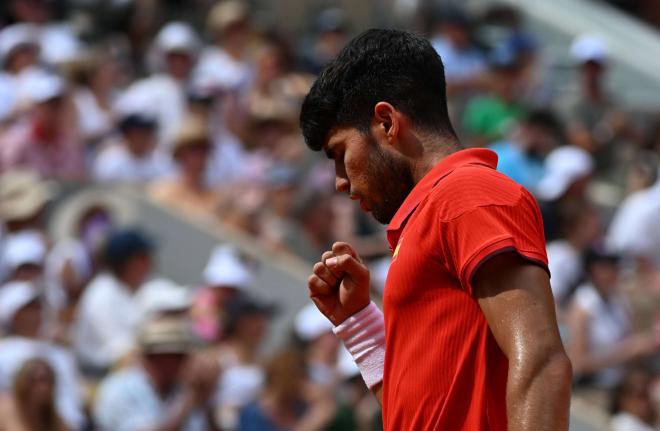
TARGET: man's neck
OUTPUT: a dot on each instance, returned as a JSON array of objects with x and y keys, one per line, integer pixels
[{"x": 433, "y": 153}]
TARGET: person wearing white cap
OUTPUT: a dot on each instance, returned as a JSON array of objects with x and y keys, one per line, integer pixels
[
  {"x": 23, "y": 255},
  {"x": 109, "y": 313},
  {"x": 225, "y": 276},
  {"x": 224, "y": 64},
  {"x": 163, "y": 298},
  {"x": 59, "y": 42},
  {"x": 568, "y": 171},
  {"x": 21, "y": 318},
  {"x": 162, "y": 95},
  {"x": 594, "y": 121},
  {"x": 45, "y": 140},
  {"x": 168, "y": 389},
  {"x": 19, "y": 54}
]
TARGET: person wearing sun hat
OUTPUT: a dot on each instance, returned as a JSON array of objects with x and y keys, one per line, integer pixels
[
  {"x": 168, "y": 388},
  {"x": 188, "y": 191},
  {"x": 224, "y": 63},
  {"x": 23, "y": 199}
]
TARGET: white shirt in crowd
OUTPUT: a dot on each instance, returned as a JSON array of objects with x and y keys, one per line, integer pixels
[
  {"x": 14, "y": 351},
  {"x": 609, "y": 323},
  {"x": 106, "y": 323},
  {"x": 635, "y": 229},
  {"x": 565, "y": 264},
  {"x": 116, "y": 164},
  {"x": 628, "y": 422},
  {"x": 126, "y": 401}
]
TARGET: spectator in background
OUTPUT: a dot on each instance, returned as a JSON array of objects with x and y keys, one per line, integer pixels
[
  {"x": 132, "y": 158},
  {"x": 321, "y": 347},
  {"x": 313, "y": 233},
  {"x": 31, "y": 404},
  {"x": 96, "y": 79},
  {"x": 23, "y": 257},
  {"x": 163, "y": 298},
  {"x": 108, "y": 312},
  {"x": 246, "y": 322},
  {"x": 224, "y": 64},
  {"x": 80, "y": 225},
  {"x": 465, "y": 64},
  {"x": 21, "y": 316},
  {"x": 490, "y": 117},
  {"x": 19, "y": 55},
  {"x": 226, "y": 276},
  {"x": 169, "y": 389},
  {"x": 163, "y": 94},
  {"x": 581, "y": 226},
  {"x": 567, "y": 173},
  {"x": 635, "y": 231},
  {"x": 23, "y": 201},
  {"x": 601, "y": 336},
  {"x": 188, "y": 191},
  {"x": 45, "y": 140},
  {"x": 59, "y": 43},
  {"x": 521, "y": 156},
  {"x": 594, "y": 121},
  {"x": 632, "y": 408},
  {"x": 330, "y": 36},
  {"x": 288, "y": 401}
]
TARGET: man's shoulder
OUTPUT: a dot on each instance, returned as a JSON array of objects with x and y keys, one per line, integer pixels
[
  {"x": 101, "y": 288},
  {"x": 473, "y": 186}
]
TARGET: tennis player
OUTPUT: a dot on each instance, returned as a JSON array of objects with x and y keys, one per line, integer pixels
[{"x": 467, "y": 339}]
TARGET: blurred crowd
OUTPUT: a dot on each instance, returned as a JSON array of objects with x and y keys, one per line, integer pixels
[{"x": 194, "y": 105}]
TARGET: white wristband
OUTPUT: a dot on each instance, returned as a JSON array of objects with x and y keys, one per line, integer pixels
[{"x": 363, "y": 335}]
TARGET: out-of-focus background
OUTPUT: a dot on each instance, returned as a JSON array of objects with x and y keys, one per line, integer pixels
[{"x": 160, "y": 212}]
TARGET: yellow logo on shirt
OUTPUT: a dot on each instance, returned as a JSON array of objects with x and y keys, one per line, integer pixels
[{"x": 396, "y": 250}]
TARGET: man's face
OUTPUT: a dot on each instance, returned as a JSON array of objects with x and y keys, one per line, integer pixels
[{"x": 369, "y": 171}]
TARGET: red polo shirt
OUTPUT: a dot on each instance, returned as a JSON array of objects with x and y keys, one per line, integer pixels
[{"x": 443, "y": 369}]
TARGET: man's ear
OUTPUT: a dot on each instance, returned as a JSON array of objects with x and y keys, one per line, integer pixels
[{"x": 386, "y": 122}]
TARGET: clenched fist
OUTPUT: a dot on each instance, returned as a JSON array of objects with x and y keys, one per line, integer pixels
[{"x": 339, "y": 285}]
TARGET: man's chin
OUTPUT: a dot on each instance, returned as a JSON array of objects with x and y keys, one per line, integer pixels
[{"x": 382, "y": 215}]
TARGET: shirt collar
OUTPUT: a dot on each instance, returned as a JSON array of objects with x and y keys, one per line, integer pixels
[{"x": 471, "y": 156}]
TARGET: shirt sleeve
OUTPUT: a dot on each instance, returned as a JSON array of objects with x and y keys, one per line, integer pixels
[{"x": 486, "y": 230}]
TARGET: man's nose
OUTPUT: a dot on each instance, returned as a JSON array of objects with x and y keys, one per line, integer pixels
[{"x": 341, "y": 185}]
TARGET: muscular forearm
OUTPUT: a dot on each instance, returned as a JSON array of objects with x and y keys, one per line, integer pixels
[{"x": 538, "y": 396}]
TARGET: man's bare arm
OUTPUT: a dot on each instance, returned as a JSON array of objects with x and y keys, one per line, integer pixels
[{"x": 516, "y": 299}]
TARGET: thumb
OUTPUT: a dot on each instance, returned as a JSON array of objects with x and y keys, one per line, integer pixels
[{"x": 350, "y": 266}]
